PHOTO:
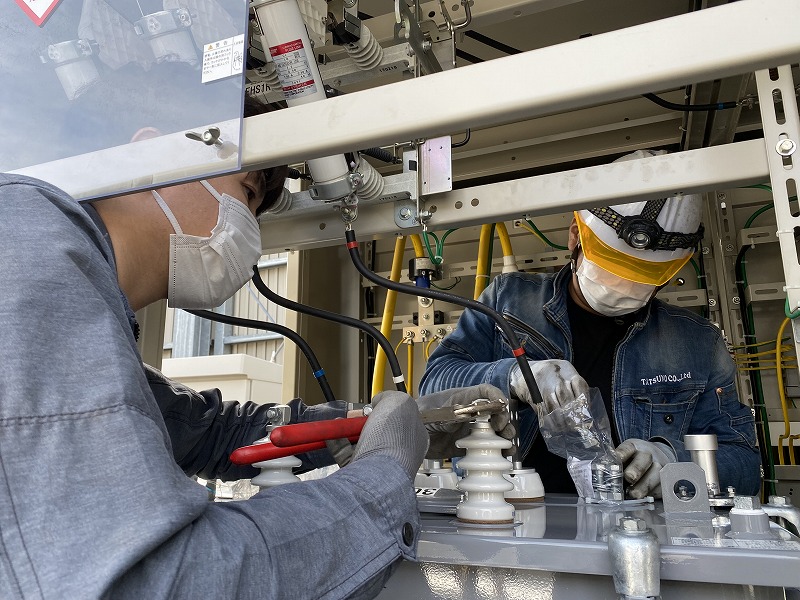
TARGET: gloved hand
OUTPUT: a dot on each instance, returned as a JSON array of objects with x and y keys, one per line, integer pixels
[
  {"x": 643, "y": 462},
  {"x": 443, "y": 436},
  {"x": 394, "y": 429},
  {"x": 558, "y": 382}
]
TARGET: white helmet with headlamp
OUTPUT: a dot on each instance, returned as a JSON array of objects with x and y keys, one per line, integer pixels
[{"x": 629, "y": 250}]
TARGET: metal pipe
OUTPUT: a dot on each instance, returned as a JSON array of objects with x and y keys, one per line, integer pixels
[{"x": 704, "y": 454}]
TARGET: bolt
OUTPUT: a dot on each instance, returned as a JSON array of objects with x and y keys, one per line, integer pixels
[
  {"x": 426, "y": 316},
  {"x": 405, "y": 213},
  {"x": 729, "y": 248},
  {"x": 356, "y": 180},
  {"x": 721, "y": 196},
  {"x": 779, "y": 501},
  {"x": 632, "y": 524},
  {"x": 426, "y": 46},
  {"x": 712, "y": 302},
  {"x": 440, "y": 332},
  {"x": 746, "y": 502},
  {"x": 423, "y": 333},
  {"x": 424, "y": 215},
  {"x": 786, "y": 147},
  {"x": 731, "y": 491},
  {"x": 706, "y": 250},
  {"x": 424, "y": 302},
  {"x": 720, "y": 521},
  {"x": 735, "y": 300},
  {"x": 683, "y": 491}
]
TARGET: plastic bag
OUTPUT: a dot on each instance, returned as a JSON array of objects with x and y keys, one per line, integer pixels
[{"x": 581, "y": 432}]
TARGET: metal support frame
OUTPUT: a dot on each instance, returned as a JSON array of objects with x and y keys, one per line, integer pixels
[
  {"x": 781, "y": 122},
  {"x": 569, "y": 76}
]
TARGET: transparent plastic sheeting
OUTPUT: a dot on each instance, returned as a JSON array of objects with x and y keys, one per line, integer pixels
[{"x": 97, "y": 99}]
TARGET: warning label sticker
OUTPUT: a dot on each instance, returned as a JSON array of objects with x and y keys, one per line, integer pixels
[
  {"x": 294, "y": 70},
  {"x": 223, "y": 58},
  {"x": 38, "y": 10}
]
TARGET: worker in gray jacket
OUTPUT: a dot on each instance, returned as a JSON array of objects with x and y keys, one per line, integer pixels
[{"x": 95, "y": 501}]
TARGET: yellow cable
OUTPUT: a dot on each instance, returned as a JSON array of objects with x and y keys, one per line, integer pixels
[
  {"x": 741, "y": 356},
  {"x": 419, "y": 249},
  {"x": 756, "y": 344},
  {"x": 505, "y": 240},
  {"x": 428, "y": 348},
  {"x": 388, "y": 315},
  {"x": 530, "y": 229},
  {"x": 410, "y": 368},
  {"x": 483, "y": 268},
  {"x": 786, "y": 426},
  {"x": 400, "y": 343}
]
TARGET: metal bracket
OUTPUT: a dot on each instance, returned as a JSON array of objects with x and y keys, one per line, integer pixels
[{"x": 673, "y": 473}]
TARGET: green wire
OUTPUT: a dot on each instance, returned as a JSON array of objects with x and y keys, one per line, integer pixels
[
  {"x": 428, "y": 247},
  {"x": 544, "y": 237},
  {"x": 760, "y": 391},
  {"x": 789, "y": 313},
  {"x": 752, "y": 217},
  {"x": 760, "y": 186},
  {"x": 446, "y": 233},
  {"x": 697, "y": 271},
  {"x": 491, "y": 250}
]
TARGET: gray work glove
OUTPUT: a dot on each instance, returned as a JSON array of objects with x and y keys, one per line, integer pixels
[
  {"x": 394, "y": 429},
  {"x": 444, "y": 435},
  {"x": 643, "y": 462},
  {"x": 557, "y": 380}
]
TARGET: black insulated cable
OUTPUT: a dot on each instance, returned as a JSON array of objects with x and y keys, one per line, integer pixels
[
  {"x": 690, "y": 107},
  {"x": 511, "y": 336},
  {"x": 463, "y": 142},
  {"x": 381, "y": 155},
  {"x": 394, "y": 364},
  {"x": 319, "y": 372}
]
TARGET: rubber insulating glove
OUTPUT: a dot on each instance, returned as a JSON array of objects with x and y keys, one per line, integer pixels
[
  {"x": 443, "y": 435},
  {"x": 643, "y": 462},
  {"x": 394, "y": 429},
  {"x": 557, "y": 380}
]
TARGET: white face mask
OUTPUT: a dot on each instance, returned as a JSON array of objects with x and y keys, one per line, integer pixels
[
  {"x": 204, "y": 272},
  {"x": 608, "y": 294}
]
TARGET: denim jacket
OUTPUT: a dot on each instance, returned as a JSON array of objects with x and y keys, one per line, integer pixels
[{"x": 672, "y": 375}]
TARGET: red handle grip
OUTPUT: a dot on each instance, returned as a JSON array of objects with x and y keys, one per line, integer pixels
[
  {"x": 248, "y": 455},
  {"x": 316, "y": 431}
]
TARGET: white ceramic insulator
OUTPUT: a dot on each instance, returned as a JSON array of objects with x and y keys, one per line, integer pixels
[
  {"x": 372, "y": 182},
  {"x": 527, "y": 485},
  {"x": 366, "y": 52},
  {"x": 484, "y": 485},
  {"x": 276, "y": 471},
  {"x": 269, "y": 75}
]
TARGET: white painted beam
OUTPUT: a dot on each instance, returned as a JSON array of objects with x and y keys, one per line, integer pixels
[{"x": 706, "y": 169}]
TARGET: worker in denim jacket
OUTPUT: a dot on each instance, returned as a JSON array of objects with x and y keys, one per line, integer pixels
[{"x": 663, "y": 371}]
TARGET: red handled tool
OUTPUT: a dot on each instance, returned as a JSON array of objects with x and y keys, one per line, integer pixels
[
  {"x": 288, "y": 440},
  {"x": 248, "y": 455}
]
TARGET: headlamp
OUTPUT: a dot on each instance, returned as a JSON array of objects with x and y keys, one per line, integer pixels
[{"x": 640, "y": 233}]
